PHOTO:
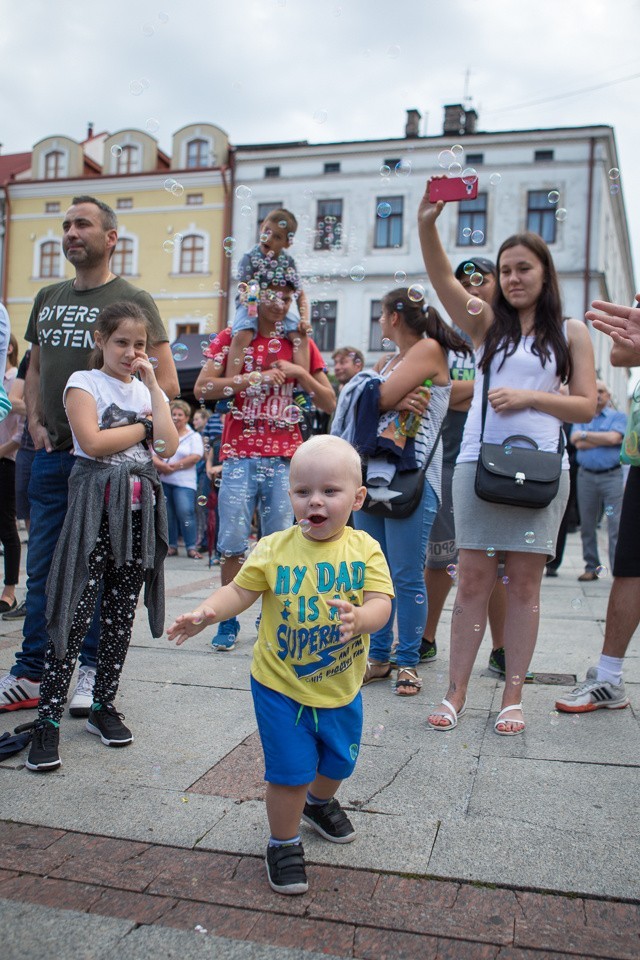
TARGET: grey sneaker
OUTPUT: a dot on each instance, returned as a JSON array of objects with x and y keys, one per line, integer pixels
[
  {"x": 83, "y": 695},
  {"x": 594, "y": 694}
]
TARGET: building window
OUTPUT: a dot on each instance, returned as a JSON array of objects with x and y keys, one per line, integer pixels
[
  {"x": 543, "y": 156},
  {"x": 375, "y": 330},
  {"x": 128, "y": 161},
  {"x": 124, "y": 203},
  {"x": 541, "y": 215},
  {"x": 53, "y": 165},
  {"x": 271, "y": 172},
  {"x": 192, "y": 254},
  {"x": 52, "y": 208},
  {"x": 195, "y": 199},
  {"x": 472, "y": 222},
  {"x": 475, "y": 158},
  {"x": 49, "y": 259},
  {"x": 332, "y": 168},
  {"x": 389, "y": 222},
  {"x": 122, "y": 261},
  {"x": 184, "y": 329},
  {"x": 197, "y": 154},
  {"x": 323, "y": 321},
  {"x": 263, "y": 210},
  {"x": 328, "y": 225}
]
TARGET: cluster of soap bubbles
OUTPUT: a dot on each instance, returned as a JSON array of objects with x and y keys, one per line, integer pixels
[
  {"x": 137, "y": 87},
  {"x": 401, "y": 169},
  {"x": 173, "y": 187}
]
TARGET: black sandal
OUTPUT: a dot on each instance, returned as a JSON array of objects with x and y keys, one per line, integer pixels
[{"x": 410, "y": 685}]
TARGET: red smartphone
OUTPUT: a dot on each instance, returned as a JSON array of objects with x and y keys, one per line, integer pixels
[{"x": 452, "y": 188}]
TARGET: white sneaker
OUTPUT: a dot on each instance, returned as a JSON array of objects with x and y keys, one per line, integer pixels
[
  {"x": 83, "y": 695},
  {"x": 18, "y": 693}
]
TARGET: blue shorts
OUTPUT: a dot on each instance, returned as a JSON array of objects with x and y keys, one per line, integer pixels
[
  {"x": 242, "y": 321},
  {"x": 247, "y": 485},
  {"x": 300, "y": 742}
]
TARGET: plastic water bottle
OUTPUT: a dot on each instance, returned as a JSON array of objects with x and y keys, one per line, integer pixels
[{"x": 408, "y": 424}]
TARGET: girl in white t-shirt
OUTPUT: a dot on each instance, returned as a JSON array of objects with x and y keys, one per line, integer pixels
[{"x": 114, "y": 532}]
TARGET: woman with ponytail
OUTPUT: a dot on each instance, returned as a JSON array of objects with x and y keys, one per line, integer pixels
[{"x": 422, "y": 340}]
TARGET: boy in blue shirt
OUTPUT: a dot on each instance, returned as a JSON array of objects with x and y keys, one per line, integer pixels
[{"x": 268, "y": 257}]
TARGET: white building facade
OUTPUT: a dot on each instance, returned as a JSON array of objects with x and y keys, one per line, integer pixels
[{"x": 356, "y": 205}]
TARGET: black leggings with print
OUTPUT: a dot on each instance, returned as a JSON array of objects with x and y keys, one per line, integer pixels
[{"x": 122, "y": 587}]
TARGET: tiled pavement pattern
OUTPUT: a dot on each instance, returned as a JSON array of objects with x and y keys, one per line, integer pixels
[{"x": 347, "y": 913}]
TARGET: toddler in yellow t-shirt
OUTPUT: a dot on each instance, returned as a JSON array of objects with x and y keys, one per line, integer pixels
[{"x": 325, "y": 587}]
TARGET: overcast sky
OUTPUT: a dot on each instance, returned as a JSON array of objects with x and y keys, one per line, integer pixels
[{"x": 321, "y": 70}]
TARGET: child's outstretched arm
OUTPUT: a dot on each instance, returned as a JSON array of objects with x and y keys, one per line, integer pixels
[
  {"x": 223, "y": 604},
  {"x": 371, "y": 616}
]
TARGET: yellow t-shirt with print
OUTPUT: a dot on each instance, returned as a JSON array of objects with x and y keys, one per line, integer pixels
[{"x": 299, "y": 651}]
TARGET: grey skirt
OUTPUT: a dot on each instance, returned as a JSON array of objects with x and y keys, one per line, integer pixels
[{"x": 481, "y": 525}]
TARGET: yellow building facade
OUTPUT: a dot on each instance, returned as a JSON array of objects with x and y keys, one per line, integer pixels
[{"x": 173, "y": 215}]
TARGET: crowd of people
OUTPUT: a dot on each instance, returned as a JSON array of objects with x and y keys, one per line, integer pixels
[{"x": 368, "y": 497}]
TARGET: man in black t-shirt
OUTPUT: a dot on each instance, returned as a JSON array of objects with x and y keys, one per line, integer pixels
[{"x": 60, "y": 330}]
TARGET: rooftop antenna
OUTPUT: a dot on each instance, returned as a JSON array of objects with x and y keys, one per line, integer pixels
[{"x": 467, "y": 98}]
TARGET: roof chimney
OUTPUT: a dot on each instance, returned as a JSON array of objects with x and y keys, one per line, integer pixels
[
  {"x": 412, "y": 126},
  {"x": 471, "y": 120},
  {"x": 454, "y": 120},
  {"x": 89, "y": 130}
]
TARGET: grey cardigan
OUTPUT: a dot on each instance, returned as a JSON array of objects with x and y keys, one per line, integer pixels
[{"x": 69, "y": 571}]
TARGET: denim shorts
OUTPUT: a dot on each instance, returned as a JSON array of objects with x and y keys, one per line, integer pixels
[
  {"x": 299, "y": 742},
  {"x": 247, "y": 485}
]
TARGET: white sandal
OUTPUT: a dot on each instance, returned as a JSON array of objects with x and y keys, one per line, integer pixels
[
  {"x": 501, "y": 719},
  {"x": 451, "y": 717}
]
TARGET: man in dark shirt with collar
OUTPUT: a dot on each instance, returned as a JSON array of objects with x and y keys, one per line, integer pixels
[{"x": 599, "y": 478}]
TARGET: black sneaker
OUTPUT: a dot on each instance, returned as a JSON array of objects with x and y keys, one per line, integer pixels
[
  {"x": 285, "y": 869},
  {"x": 496, "y": 661},
  {"x": 43, "y": 753},
  {"x": 330, "y": 821},
  {"x": 428, "y": 651},
  {"x": 106, "y": 722}
]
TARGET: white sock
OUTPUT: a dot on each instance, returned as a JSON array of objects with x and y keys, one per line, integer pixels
[{"x": 610, "y": 668}]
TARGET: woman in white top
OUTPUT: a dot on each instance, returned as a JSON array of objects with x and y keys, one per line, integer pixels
[
  {"x": 522, "y": 339},
  {"x": 179, "y": 482}
]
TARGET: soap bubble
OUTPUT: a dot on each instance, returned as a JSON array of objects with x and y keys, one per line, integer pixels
[
  {"x": 576, "y": 603},
  {"x": 491, "y": 551},
  {"x": 180, "y": 352},
  {"x": 476, "y": 627},
  {"x": 320, "y": 116},
  {"x": 416, "y": 292},
  {"x": 455, "y": 169},
  {"x": 274, "y": 346},
  {"x": 116, "y": 150},
  {"x": 229, "y": 244},
  {"x": 377, "y": 731},
  {"x": 168, "y": 246},
  {"x": 477, "y": 236},
  {"x": 202, "y": 501},
  {"x": 609, "y": 510},
  {"x": 357, "y": 273},
  {"x": 614, "y": 189},
  {"x": 602, "y": 572},
  {"x": 561, "y": 214},
  {"x": 469, "y": 176},
  {"x": 154, "y": 362},
  {"x": 530, "y": 537},
  {"x": 292, "y": 414},
  {"x": 399, "y": 276},
  {"x": 614, "y": 173},
  {"x": 304, "y": 525},
  {"x": 159, "y": 446},
  {"x": 474, "y": 306},
  {"x": 452, "y": 570},
  {"x": 457, "y": 150},
  {"x": 508, "y": 449},
  {"x": 255, "y": 378},
  {"x": 495, "y": 179},
  {"x": 505, "y": 580},
  {"x": 177, "y": 189},
  {"x": 553, "y": 196},
  {"x": 243, "y": 192},
  {"x": 384, "y": 209},
  {"x": 152, "y": 125},
  {"x": 385, "y": 170},
  {"x": 403, "y": 168},
  {"x": 420, "y": 598},
  {"x": 466, "y": 232},
  {"x": 476, "y": 279},
  {"x": 136, "y": 87},
  {"x": 446, "y": 157},
  {"x": 469, "y": 267}
]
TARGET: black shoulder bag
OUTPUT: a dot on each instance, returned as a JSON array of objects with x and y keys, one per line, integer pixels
[
  {"x": 518, "y": 476},
  {"x": 400, "y": 498}
]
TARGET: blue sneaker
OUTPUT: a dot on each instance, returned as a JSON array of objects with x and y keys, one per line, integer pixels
[{"x": 225, "y": 638}]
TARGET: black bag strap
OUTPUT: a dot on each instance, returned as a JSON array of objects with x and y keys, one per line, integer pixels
[{"x": 485, "y": 401}]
